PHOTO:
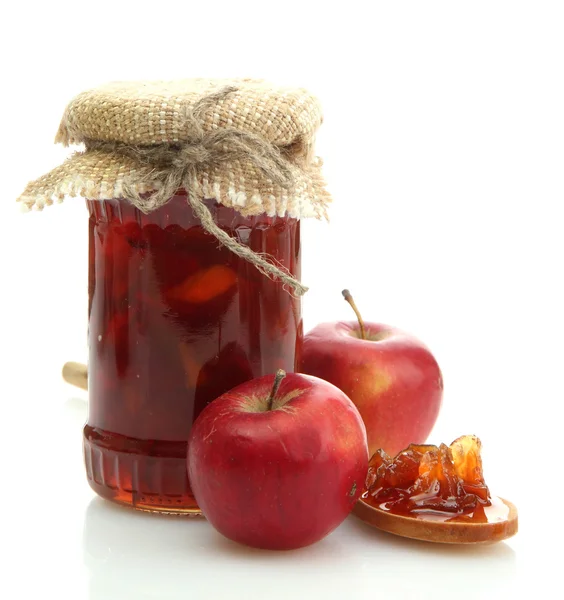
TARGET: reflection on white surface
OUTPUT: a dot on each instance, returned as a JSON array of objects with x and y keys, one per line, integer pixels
[{"x": 130, "y": 554}]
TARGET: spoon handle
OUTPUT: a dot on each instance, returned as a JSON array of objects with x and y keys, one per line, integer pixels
[{"x": 76, "y": 374}]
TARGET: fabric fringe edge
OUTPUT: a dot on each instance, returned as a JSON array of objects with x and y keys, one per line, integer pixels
[{"x": 38, "y": 195}]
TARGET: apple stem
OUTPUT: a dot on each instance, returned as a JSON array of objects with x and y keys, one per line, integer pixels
[
  {"x": 348, "y": 297},
  {"x": 280, "y": 374}
]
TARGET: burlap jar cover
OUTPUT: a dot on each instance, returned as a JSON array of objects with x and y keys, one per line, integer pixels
[{"x": 244, "y": 143}]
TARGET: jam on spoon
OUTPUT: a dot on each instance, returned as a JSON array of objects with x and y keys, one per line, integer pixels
[
  {"x": 431, "y": 482},
  {"x": 435, "y": 493}
]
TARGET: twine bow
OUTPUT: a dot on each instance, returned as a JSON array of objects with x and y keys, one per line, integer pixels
[{"x": 177, "y": 166}]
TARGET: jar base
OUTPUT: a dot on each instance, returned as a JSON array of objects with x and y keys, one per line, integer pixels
[
  {"x": 142, "y": 474},
  {"x": 190, "y": 513},
  {"x": 150, "y": 508}
]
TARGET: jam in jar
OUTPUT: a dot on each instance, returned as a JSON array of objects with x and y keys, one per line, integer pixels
[{"x": 175, "y": 320}]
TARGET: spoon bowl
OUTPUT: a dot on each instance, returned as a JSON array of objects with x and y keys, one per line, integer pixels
[{"x": 501, "y": 524}]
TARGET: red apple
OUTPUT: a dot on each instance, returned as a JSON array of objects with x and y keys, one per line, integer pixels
[
  {"x": 392, "y": 378},
  {"x": 278, "y": 463}
]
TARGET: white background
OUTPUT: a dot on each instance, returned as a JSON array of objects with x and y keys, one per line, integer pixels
[{"x": 444, "y": 148}]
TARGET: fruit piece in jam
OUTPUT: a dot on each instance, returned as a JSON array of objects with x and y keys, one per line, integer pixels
[{"x": 444, "y": 482}]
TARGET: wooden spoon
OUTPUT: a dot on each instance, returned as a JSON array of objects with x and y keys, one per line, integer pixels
[{"x": 502, "y": 524}]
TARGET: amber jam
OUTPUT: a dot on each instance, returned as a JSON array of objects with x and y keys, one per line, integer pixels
[
  {"x": 175, "y": 320},
  {"x": 443, "y": 483}
]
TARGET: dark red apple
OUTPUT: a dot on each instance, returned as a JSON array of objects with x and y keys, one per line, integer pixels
[
  {"x": 278, "y": 463},
  {"x": 392, "y": 378}
]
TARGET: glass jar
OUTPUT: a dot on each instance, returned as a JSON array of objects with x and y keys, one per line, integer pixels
[{"x": 175, "y": 320}]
